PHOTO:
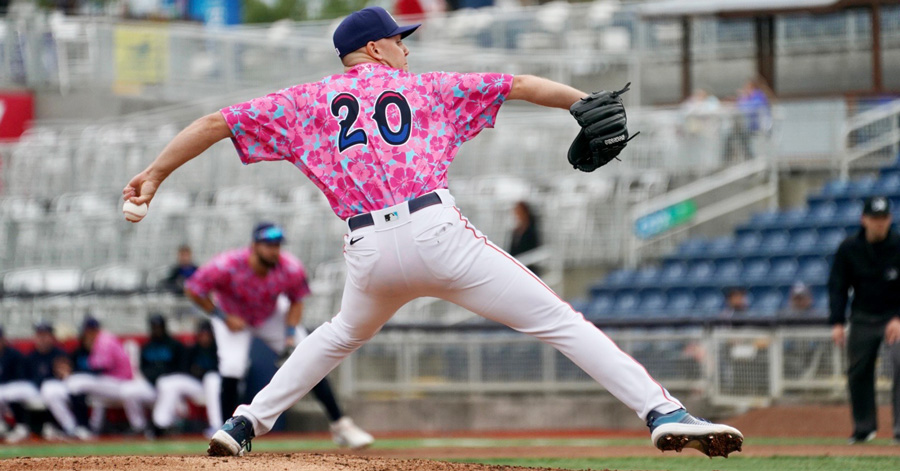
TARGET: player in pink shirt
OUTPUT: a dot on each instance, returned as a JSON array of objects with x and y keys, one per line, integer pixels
[
  {"x": 112, "y": 376},
  {"x": 258, "y": 291},
  {"x": 377, "y": 140}
]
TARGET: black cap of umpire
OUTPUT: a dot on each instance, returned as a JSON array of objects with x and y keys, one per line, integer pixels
[{"x": 877, "y": 206}]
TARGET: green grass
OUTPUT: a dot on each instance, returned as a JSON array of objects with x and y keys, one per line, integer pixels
[
  {"x": 679, "y": 463},
  {"x": 672, "y": 462}
]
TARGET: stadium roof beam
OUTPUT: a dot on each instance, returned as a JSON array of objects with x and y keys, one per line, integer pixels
[{"x": 763, "y": 13}]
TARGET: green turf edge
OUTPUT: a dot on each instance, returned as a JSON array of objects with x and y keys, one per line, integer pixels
[{"x": 699, "y": 463}]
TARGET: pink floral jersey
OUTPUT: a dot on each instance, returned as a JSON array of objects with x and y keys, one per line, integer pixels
[
  {"x": 108, "y": 357},
  {"x": 373, "y": 136},
  {"x": 238, "y": 290}
]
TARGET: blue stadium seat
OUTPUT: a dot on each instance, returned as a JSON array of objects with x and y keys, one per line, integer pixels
[
  {"x": 793, "y": 217},
  {"x": 863, "y": 187},
  {"x": 829, "y": 239},
  {"x": 680, "y": 302},
  {"x": 626, "y": 303},
  {"x": 835, "y": 188},
  {"x": 756, "y": 270},
  {"x": 720, "y": 246},
  {"x": 767, "y": 302},
  {"x": 888, "y": 184},
  {"x": 709, "y": 302},
  {"x": 804, "y": 240},
  {"x": 700, "y": 273},
  {"x": 673, "y": 273},
  {"x": 774, "y": 242},
  {"x": 619, "y": 278},
  {"x": 727, "y": 271},
  {"x": 848, "y": 212},
  {"x": 813, "y": 270},
  {"x": 600, "y": 306},
  {"x": 646, "y": 276},
  {"x": 692, "y": 247},
  {"x": 783, "y": 270},
  {"x": 764, "y": 219},
  {"x": 653, "y": 302},
  {"x": 748, "y": 243},
  {"x": 823, "y": 212}
]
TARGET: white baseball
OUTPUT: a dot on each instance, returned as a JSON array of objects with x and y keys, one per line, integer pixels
[{"x": 133, "y": 212}]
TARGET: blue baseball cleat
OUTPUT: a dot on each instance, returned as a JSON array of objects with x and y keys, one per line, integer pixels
[
  {"x": 232, "y": 439},
  {"x": 678, "y": 430}
]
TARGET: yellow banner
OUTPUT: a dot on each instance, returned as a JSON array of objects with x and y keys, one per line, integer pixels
[{"x": 142, "y": 55}]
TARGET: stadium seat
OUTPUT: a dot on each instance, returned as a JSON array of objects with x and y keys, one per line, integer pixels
[
  {"x": 784, "y": 270},
  {"x": 848, "y": 212},
  {"x": 619, "y": 278},
  {"x": 804, "y": 241},
  {"x": 709, "y": 302},
  {"x": 829, "y": 239},
  {"x": 862, "y": 187},
  {"x": 764, "y": 219},
  {"x": 720, "y": 246},
  {"x": 700, "y": 273},
  {"x": 680, "y": 302},
  {"x": 647, "y": 276},
  {"x": 767, "y": 302},
  {"x": 600, "y": 306},
  {"x": 672, "y": 273},
  {"x": 774, "y": 242},
  {"x": 728, "y": 271},
  {"x": 748, "y": 243},
  {"x": 626, "y": 303},
  {"x": 756, "y": 270},
  {"x": 835, "y": 188},
  {"x": 652, "y": 303},
  {"x": 822, "y": 212},
  {"x": 793, "y": 217},
  {"x": 813, "y": 270},
  {"x": 692, "y": 247},
  {"x": 888, "y": 184}
]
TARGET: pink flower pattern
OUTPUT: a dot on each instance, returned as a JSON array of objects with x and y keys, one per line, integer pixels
[{"x": 296, "y": 124}]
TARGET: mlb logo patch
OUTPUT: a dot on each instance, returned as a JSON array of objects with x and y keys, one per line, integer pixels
[{"x": 391, "y": 217}]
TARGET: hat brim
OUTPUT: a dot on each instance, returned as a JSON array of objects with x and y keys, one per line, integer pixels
[{"x": 404, "y": 31}]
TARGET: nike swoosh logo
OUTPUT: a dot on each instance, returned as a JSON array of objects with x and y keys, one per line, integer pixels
[{"x": 353, "y": 241}]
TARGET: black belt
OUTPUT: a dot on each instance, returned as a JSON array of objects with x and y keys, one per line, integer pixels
[{"x": 415, "y": 204}]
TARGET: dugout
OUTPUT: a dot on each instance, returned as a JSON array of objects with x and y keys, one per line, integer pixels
[{"x": 763, "y": 14}]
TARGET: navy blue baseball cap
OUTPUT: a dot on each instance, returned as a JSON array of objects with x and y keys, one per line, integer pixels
[
  {"x": 90, "y": 322},
  {"x": 368, "y": 24},
  {"x": 877, "y": 206},
  {"x": 43, "y": 326},
  {"x": 269, "y": 233}
]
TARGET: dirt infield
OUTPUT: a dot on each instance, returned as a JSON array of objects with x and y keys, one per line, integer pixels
[{"x": 812, "y": 421}]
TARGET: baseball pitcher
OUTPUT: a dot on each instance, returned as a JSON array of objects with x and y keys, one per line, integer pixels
[{"x": 377, "y": 140}]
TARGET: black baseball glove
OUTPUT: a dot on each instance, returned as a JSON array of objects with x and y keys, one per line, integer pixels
[{"x": 604, "y": 132}]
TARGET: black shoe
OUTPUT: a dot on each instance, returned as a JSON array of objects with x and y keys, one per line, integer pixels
[
  {"x": 861, "y": 437},
  {"x": 232, "y": 439}
]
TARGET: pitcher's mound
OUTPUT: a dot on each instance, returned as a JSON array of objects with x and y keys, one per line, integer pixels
[{"x": 252, "y": 462}]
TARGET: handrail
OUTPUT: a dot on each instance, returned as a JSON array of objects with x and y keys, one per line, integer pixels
[{"x": 889, "y": 138}]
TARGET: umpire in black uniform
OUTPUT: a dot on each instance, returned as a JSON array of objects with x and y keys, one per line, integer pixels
[{"x": 869, "y": 263}]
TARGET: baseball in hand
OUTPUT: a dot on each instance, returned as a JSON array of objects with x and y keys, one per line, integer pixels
[{"x": 133, "y": 212}]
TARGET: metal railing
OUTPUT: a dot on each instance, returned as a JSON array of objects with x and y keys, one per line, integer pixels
[
  {"x": 871, "y": 138},
  {"x": 750, "y": 366}
]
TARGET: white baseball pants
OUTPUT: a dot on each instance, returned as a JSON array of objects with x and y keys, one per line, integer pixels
[
  {"x": 233, "y": 348},
  {"x": 18, "y": 391},
  {"x": 133, "y": 394},
  {"x": 437, "y": 252},
  {"x": 172, "y": 390}
]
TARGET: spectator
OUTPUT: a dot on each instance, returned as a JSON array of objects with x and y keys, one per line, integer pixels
[
  {"x": 736, "y": 303},
  {"x": 113, "y": 377},
  {"x": 869, "y": 264},
  {"x": 182, "y": 270},
  {"x": 200, "y": 383},
  {"x": 15, "y": 389},
  {"x": 50, "y": 366},
  {"x": 800, "y": 302},
  {"x": 524, "y": 236},
  {"x": 754, "y": 118}
]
